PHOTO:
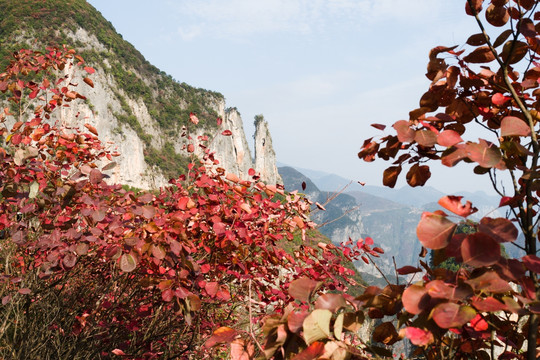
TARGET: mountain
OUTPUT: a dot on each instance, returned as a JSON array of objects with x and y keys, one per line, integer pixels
[
  {"x": 389, "y": 216},
  {"x": 134, "y": 105},
  {"x": 358, "y": 215},
  {"x": 337, "y": 222},
  {"x": 419, "y": 197}
]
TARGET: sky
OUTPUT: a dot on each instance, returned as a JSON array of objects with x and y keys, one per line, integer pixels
[{"x": 320, "y": 71}]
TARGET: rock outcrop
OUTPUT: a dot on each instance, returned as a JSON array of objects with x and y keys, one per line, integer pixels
[
  {"x": 140, "y": 112},
  {"x": 265, "y": 156},
  {"x": 233, "y": 151}
]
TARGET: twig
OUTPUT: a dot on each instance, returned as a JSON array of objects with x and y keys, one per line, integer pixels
[{"x": 251, "y": 333}]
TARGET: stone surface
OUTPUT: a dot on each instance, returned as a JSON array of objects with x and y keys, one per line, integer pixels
[
  {"x": 104, "y": 101},
  {"x": 265, "y": 156}
]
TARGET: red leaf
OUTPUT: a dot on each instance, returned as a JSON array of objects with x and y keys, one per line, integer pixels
[
  {"x": 167, "y": 295},
  {"x": 514, "y": 126},
  {"x": 25, "y": 291},
  {"x": 295, "y": 320},
  {"x": 251, "y": 172},
  {"x": 109, "y": 166},
  {"x": 69, "y": 260},
  {"x": 118, "y": 352},
  {"x": 479, "y": 250},
  {"x": 480, "y": 55},
  {"x": 99, "y": 215},
  {"x": 484, "y": 153},
  {"x": 489, "y": 304},
  {"x": 222, "y": 335},
  {"x": 158, "y": 252},
  {"x": 509, "y": 201},
  {"x": 193, "y": 118},
  {"x": 385, "y": 333},
  {"x": 240, "y": 350},
  {"x": 514, "y": 51},
  {"x": 418, "y": 175},
  {"x": 219, "y": 121},
  {"x": 479, "y": 324},
  {"x": 226, "y": 133},
  {"x": 205, "y": 268},
  {"x": 532, "y": 262},
  {"x": 302, "y": 289},
  {"x": 332, "y": 302},
  {"x": 406, "y": 270},
  {"x": 453, "y": 204},
  {"x": 190, "y": 148},
  {"x": 476, "y": 39},
  {"x": 320, "y": 206},
  {"x": 489, "y": 282},
  {"x": 390, "y": 176},
  {"x": 379, "y": 126},
  {"x": 419, "y": 337},
  {"x": 425, "y": 138},
  {"x": 500, "y": 229},
  {"x": 448, "y": 138},
  {"x": 497, "y": 15},
  {"x": 91, "y": 129},
  {"x": 435, "y": 231},
  {"x": 219, "y": 228},
  {"x": 312, "y": 352},
  {"x": 499, "y": 99},
  {"x": 451, "y": 315},
  {"x": 89, "y": 82},
  {"x": 223, "y": 294},
  {"x": 454, "y": 157},
  {"x": 404, "y": 132},
  {"x": 476, "y": 7},
  {"x": 95, "y": 176},
  {"x": 89, "y": 70},
  {"x": 415, "y": 299},
  {"x": 212, "y": 288},
  {"x": 148, "y": 211}
]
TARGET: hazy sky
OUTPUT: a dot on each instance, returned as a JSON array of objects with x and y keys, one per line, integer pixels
[{"x": 320, "y": 71}]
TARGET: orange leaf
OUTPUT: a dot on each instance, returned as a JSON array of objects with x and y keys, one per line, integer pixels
[
  {"x": 453, "y": 204},
  {"x": 91, "y": 129},
  {"x": 221, "y": 335},
  {"x": 89, "y": 81}
]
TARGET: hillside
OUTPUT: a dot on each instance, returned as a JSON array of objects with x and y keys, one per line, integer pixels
[
  {"x": 133, "y": 105},
  {"x": 358, "y": 215}
]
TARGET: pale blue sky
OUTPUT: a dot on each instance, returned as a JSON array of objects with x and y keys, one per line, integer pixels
[{"x": 319, "y": 71}]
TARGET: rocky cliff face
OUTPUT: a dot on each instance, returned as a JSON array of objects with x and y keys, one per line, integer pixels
[
  {"x": 233, "y": 151},
  {"x": 141, "y": 112},
  {"x": 265, "y": 157}
]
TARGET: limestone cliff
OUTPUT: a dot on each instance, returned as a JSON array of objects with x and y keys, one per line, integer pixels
[
  {"x": 136, "y": 108},
  {"x": 233, "y": 151},
  {"x": 265, "y": 156}
]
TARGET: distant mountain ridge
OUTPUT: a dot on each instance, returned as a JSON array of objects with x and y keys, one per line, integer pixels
[
  {"x": 417, "y": 197},
  {"x": 389, "y": 216}
]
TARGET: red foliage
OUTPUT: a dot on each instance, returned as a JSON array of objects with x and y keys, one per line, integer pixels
[{"x": 190, "y": 252}]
